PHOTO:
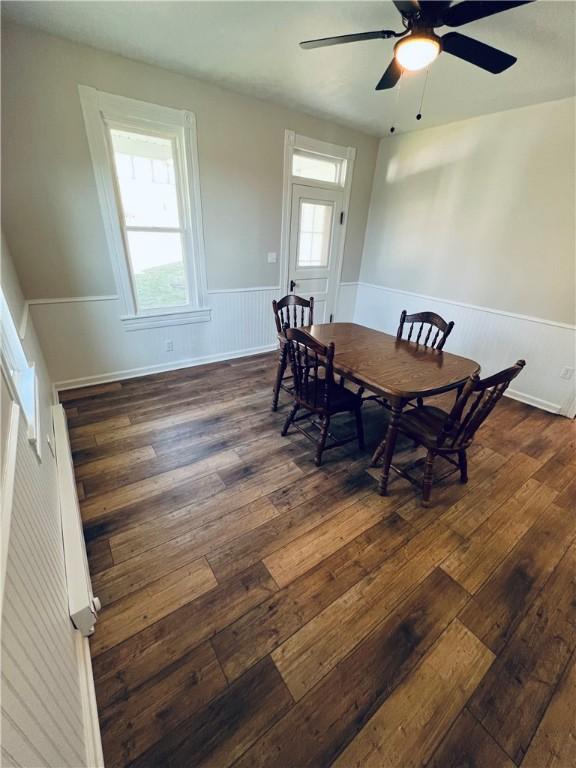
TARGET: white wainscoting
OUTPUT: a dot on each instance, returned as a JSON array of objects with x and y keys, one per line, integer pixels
[
  {"x": 494, "y": 338},
  {"x": 346, "y": 305},
  {"x": 42, "y": 716},
  {"x": 85, "y": 342}
]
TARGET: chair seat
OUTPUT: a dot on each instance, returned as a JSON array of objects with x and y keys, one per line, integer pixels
[
  {"x": 424, "y": 423},
  {"x": 341, "y": 399}
]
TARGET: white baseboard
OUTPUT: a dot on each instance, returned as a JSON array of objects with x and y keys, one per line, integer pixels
[
  {"x": 92, "y": 739},
  {"x": 537, "y": 402},
  {"x": 132, "y": 373}
]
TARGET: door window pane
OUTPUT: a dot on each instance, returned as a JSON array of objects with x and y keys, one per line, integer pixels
[
  {"x": 146, "y": 180},
  {"x": 158, "y": 267},
  {"x": 319, "y": 167},
  {"x": 314, "y": 234}
]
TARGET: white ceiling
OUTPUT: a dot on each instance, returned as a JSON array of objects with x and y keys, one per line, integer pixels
[{"x": 252, "y": 47}]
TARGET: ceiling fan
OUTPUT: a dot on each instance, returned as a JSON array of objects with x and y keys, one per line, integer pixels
[{"x": 419, "y": 45}]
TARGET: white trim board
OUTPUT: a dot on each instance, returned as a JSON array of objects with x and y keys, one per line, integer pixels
[
  {"x": 217, "y": 291},
  {"x": 537, "y": 402},
  {"x": 92, "y": 738},
  {"x": 82, "y": 605},
  {"x": 72, "y": 299},
  {"x": 132, "y": 373}
]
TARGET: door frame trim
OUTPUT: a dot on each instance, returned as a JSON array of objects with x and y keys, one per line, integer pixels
[{"x": 293, "y": 141}]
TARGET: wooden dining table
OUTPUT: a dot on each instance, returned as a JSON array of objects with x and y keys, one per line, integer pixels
[{"x": 397, "y": 370}]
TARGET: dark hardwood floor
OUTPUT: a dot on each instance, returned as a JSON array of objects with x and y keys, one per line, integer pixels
[{"x": 258, "y": 611}]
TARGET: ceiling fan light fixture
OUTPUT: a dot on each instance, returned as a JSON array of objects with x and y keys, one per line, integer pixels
[{"x": 416, "y": 51}]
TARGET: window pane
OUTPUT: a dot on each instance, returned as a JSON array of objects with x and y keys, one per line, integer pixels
[
  {"x": 314, "y": 234},
  {"x": 158, "y": 267},
  {"x": 317, "y": 167},
  {"x": 146, "y": 180}
]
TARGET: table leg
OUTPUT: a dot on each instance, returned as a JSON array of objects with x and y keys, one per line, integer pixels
[{"x": 388, "y": 448}]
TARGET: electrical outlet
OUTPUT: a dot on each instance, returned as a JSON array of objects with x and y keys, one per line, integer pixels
[
  {"x": 566, "y": 373},
  {"x": 271, "y": 258},
  {"x": 169, "y": 345}
]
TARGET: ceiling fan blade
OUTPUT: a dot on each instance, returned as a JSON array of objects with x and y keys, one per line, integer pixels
[
  {"x": 480, "y": 54},
  {"x": 408, "y": 7},
  {"x": 432, "y": 11},
  {"x": 433, "y": 6},
  {"x": 390, "y": 77},
  {"x": 339, "y": 39},
  {"x": 472, "y": 10}
]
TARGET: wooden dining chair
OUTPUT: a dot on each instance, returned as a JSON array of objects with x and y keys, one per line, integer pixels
[
  {"x": 450, "y": 434},
  {"x": 317, "y": 393},
  {"x": 294, "y": 312},
  {"x": 425, "y": 328}
]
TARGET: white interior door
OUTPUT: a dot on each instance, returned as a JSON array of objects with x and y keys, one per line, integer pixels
[{"x": 315, "y": 229}]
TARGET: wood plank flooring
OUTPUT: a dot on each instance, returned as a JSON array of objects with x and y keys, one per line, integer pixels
[{"x": 258, "y": 611}]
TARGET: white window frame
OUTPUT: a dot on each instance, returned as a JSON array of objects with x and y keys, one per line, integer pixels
[
  {"x": 20, "y": 375},
  {"x": 342, "y": 167},
  {"x": 103, "y": 111},
  {"x": 294, "y": 141}
]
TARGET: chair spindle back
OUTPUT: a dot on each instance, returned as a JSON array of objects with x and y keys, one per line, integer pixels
[
  {"x": 312, "y": 368},
  {"x": 426, "y": 328},
  {"x": 473, "y": 406},
  {"x": 293, "y": 311}
]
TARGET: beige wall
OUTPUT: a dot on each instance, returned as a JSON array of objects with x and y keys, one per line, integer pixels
[
  {"x": 51, "y": 214},
  {"x": 480, "y": 211}
]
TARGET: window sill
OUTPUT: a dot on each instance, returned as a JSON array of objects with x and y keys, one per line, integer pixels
[{"x": 143, "y": 322}]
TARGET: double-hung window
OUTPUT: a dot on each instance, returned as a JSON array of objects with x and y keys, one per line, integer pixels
[{"x": 146, "y": 168}]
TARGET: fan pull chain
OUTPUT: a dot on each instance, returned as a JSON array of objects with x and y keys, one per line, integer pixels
[
  {"x": 398, "y": 89},
  {"x": 419, "y": 115}
]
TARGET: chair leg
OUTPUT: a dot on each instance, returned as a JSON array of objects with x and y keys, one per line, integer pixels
[
  {"x": 389, "y": 446},
  {"x": 463, "y": 463},
  {"x": 359, "y": 428},
  {"x": 281, "y": 370},
  {"x": 427, "y": 482},
  {"x": 290, "y": 419},
  {"x": 322, "y": 441},
  {"x": 378, "y": 453}
]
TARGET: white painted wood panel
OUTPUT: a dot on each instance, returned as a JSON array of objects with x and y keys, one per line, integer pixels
[
  {"x": 86, "y": 343},
  {"x": 75, "y": 334},
  {"x": 495, "y": 339},
  {"x": 41, "y": 698},
  {"x": 48, "y": 713}
]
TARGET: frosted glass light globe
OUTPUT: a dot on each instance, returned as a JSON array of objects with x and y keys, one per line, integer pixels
[{"x": 416, "y": 52}]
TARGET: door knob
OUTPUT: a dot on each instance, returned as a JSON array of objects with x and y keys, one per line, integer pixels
[{"x": 292, "y": 285}]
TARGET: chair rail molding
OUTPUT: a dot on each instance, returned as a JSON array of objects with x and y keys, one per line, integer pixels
[{"x": 73, "y": 299}]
